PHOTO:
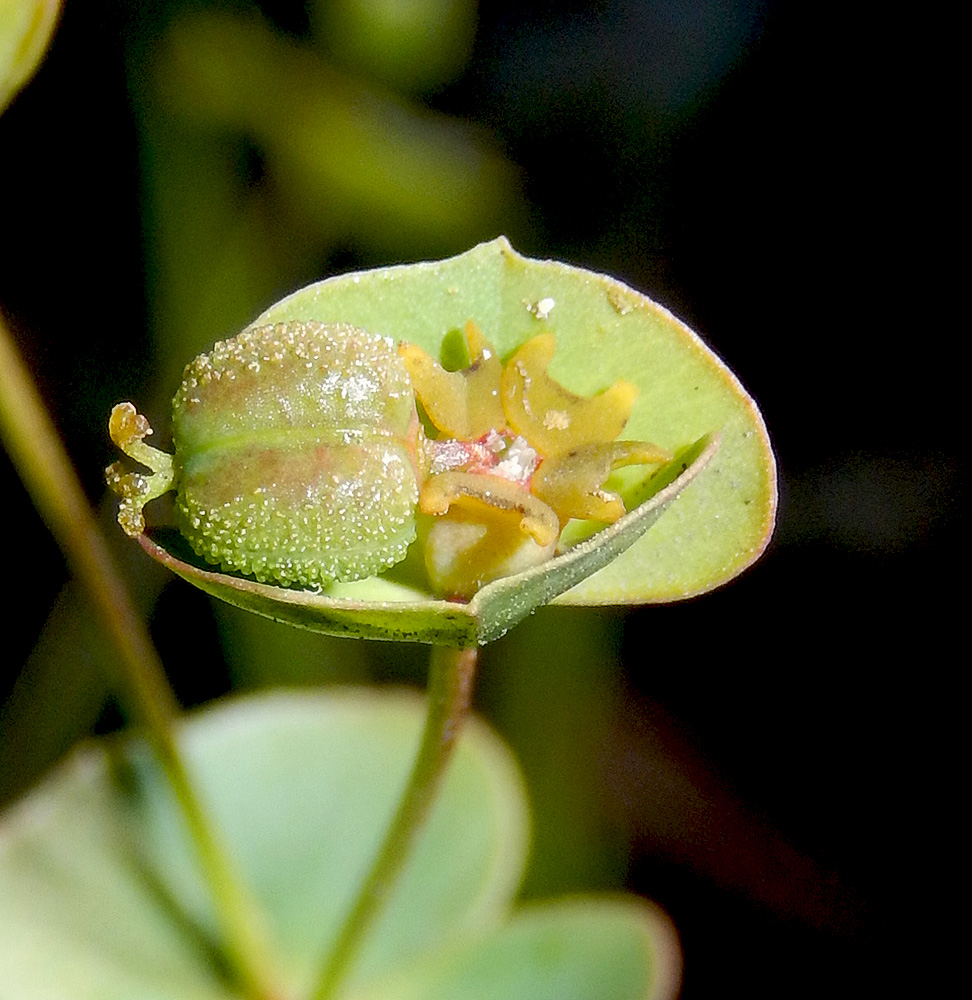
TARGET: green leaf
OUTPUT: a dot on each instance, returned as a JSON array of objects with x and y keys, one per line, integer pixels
[
  {"x": 26, "y": 27},
  {"x": 99, "y": 896},
  {"x": 580, "y": 949},
  {"x": 688, "y": 402}
]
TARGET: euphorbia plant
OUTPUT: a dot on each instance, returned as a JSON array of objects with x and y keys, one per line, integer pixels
[
  {"x": 654, "y": 378},
  {"x": 528, "y": 422},
  {"x": 548, "y": 403}
]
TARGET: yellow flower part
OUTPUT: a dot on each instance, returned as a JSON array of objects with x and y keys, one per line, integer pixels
[
  {"x": 463, "y": 405},
  {"x": 517, "y": 456},
  {"x": 128, "y": 429},
  {"x": 571, "y": 482},
  {"x": 552, "y": 419}
]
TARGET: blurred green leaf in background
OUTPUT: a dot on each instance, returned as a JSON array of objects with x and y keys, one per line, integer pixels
[{"x": 25, "y": 30}]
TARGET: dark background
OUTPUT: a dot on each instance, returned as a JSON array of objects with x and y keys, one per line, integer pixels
[{"x": 768, "y": 762}]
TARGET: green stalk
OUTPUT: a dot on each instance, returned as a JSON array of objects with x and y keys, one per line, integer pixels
[
  {"x": 33, "y": 443},
  {"x": 450, "y": 684}
]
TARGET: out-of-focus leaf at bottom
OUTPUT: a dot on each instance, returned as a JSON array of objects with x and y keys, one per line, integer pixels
[
  {"x": 100, "y": 897},
  {"x": 578, "y": 949}
]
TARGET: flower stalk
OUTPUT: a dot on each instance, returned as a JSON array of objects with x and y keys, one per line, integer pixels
[{"x": 451, "y": 676}]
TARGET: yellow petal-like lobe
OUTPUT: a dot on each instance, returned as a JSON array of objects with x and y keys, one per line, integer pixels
[
  {"x": 573, "y": 483},
  {"x": 552, "y": 419},
  {"x": 465, "y": 404}
]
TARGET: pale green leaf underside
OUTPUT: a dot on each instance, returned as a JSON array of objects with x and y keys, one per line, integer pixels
[
  {"x": 605, "y": 331},
  {"x": 99, "y": 897}
]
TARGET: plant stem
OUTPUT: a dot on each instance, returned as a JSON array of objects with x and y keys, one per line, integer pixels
[
  {"x": 33, "y": 443},
  {"x": 450, "y": 684}
]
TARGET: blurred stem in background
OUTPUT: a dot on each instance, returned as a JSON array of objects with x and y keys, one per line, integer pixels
[{"x": 29, "y": 436}]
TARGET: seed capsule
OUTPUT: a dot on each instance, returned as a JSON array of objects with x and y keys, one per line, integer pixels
[{"x": 294, "y": 455}]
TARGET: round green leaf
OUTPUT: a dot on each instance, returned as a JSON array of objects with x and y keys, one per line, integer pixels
[{"x": 723, "y": 476}]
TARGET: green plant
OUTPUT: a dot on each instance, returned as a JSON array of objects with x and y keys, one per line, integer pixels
[
  {"x": 718, "y": 496},
  {"x": 241, "y": 853}
]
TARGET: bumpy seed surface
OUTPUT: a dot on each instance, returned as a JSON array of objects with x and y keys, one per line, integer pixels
[{"x": 294, "y": 451}]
